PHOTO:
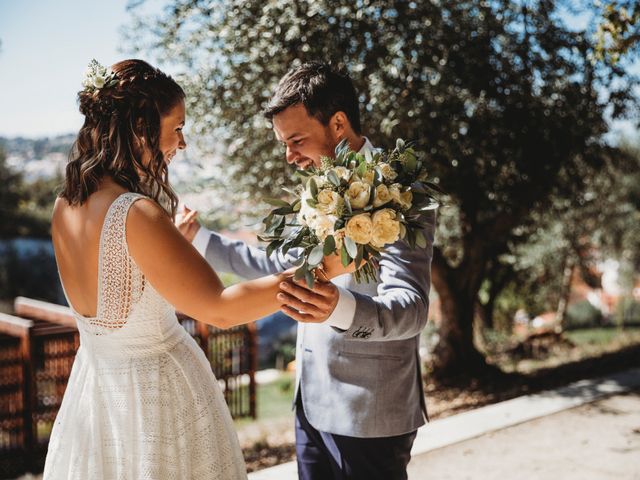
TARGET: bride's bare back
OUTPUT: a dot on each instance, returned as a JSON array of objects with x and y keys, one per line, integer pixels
[{"x": 75, "y": 231}]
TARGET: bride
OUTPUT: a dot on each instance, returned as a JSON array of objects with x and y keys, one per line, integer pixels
[{"x": 142, "y": 401}]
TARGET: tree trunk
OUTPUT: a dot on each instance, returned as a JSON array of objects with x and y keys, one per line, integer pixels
[
  {"x": 455, "y": 354},
  {"x": 565, "y": 292}
]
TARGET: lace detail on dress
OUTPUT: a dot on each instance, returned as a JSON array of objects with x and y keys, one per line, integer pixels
[
  {"x": 142, "y": 402},
  {"x": 120, "y": 282}
]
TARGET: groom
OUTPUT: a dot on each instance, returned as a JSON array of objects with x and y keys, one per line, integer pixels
[{"x": 359, "y": 396}]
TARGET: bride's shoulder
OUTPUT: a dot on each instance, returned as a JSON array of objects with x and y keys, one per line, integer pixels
[
  {"x": 146, "y": 219},
  {"x": 146, "y": 209}
]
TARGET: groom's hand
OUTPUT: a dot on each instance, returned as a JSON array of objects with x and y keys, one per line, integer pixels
[
  {"x": 308, "y": 305},
  {"x": 187, "y": 223}
]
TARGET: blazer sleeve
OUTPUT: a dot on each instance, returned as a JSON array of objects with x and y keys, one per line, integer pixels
[
  {"x": 399, "y": 310},
  {"x": 235, "y": 256}
]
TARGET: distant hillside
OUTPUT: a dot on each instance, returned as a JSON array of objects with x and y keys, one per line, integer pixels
[{"x": 41, "y": 158}]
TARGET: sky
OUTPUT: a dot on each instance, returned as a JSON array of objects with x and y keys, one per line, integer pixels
[
  {"x": 46, "y": 46},
  {"x": 44, "y": 51}
]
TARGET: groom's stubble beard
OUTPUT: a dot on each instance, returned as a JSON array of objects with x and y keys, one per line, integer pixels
[{"x": 329, "y": 145}]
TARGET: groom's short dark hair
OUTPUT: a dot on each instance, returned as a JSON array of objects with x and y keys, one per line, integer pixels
[{"x": 322, "y": 90}]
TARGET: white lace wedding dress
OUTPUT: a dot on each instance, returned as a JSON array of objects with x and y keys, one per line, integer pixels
[{"x": 142, "y": 402}]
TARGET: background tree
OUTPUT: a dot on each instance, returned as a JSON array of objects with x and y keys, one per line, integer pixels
[
  {"x": 618, "y": 31},
  {"x": 501, "y": 96}
]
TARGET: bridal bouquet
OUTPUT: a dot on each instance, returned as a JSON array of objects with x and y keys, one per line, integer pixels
[{"x": 353, "y": 205}]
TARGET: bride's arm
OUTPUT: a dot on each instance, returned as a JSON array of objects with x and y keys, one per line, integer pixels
[{"x": 177, "y": 272}]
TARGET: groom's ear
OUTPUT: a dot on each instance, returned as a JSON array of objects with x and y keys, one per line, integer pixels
[{"x": 339, "y": 125}]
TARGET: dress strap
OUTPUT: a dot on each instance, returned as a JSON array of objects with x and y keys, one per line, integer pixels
[{"x": 120, "y": 282}]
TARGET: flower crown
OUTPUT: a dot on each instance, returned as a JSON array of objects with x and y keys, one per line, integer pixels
[{"x": 98, "y": 76}]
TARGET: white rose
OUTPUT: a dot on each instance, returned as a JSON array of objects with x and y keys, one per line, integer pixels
[
  {"x": 329, "y": 201},
  {"x": 387, "y": 172},
  {"x": 386, "y": 229},
  {"x": 358, "y": 194},
  {"x": 306, "y": 210},
  {"x": 381, "y": 196},
  {"x": 359, "y": 228},
  {"x": 323, "y": 225},
  {"x": 98, "y": 81}
]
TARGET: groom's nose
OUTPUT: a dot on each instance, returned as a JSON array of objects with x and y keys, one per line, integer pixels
[{"x": 291, "y": 155}]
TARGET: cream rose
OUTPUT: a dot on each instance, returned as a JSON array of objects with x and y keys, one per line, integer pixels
[
  {"x": 343, "y": 172},
  {"x": 358, "y": 194},
  {"x": 359, "y": 228},
  {"x": 386, "y": 229},
  {"x": 368, "y": 177},
  {"x": 406, "y": 198},
  {"x": 381, "y": 196},
  {"x": 328, "y": 201},
  {"x": 387, "y": 172},
  {"x": 403, "y": 199}
]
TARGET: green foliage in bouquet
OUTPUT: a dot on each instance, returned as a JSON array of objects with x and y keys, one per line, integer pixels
[{"x": 353, "y": 206}]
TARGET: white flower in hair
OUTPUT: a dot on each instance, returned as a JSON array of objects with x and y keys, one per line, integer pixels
[{"x": 98, "y": 76}]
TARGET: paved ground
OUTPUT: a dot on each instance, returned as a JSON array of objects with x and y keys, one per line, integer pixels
[
  {"x": 589, "y": 430},
  {"x": 597, "y": 441}
]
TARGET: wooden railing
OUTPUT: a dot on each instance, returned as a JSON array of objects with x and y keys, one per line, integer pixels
[{"x": 37, "y": 350}]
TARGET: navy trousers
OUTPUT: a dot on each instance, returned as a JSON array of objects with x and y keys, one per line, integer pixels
[{"x": 327, "y": 456}]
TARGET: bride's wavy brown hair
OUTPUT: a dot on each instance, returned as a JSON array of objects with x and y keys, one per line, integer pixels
[{"x": 121, "y": 121}]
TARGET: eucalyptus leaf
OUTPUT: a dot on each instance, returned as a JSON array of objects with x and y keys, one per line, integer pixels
[
  {"x": 344, "y": 256},
  {"x": 361, "y": 170},
  {"x": 359, "y": 256},
  {"x": 300, "y": 272},
  {"x": 276, "y": 202},
  {"x": 350, "y": 245},
  {"x": 313, "y": 188},
  {"x": 283, "y": 210},
  {"x": 316, "y": 255},
  {"x": 333, "y": 178},
  {"x": 329, "y": 245},
  {"x": 273, "y": 246}
]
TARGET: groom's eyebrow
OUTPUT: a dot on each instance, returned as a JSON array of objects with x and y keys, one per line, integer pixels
[{"x": 293, "y": 135}]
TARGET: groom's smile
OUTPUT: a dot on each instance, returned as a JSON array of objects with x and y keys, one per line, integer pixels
[{"x": 305, "y": 138}]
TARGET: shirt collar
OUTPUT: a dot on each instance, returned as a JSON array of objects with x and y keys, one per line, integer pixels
[{"x": 367, "y": 146}]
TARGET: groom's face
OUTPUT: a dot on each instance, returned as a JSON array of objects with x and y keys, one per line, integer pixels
[{"x": 304, "y": 137}]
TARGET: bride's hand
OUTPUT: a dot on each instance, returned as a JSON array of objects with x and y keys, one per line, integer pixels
[
  {"x": 332, "y": 267},
  {"x": 187, "y": 223}
]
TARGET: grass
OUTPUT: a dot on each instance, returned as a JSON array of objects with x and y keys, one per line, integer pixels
[
  {"x": 582, "y": 344},
  {"x": 604, "y": 337},
  {"x": 274, "y": 400}
]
